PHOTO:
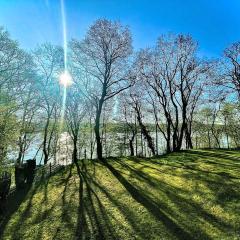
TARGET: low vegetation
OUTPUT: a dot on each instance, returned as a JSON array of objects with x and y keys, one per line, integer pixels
[{"x": 186, "y": 195}]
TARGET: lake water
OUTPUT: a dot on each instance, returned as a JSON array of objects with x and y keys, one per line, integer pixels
[{"x": 64, "y": 152}]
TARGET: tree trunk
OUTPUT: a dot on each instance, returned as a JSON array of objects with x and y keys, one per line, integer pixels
[
  {"x": 156, "y": 140},
  {"x": 209, "y": 139},
  {"x": 225, "y": 126},
  {"x": 131, "y": 147},
  {"x": 20, "y": 150},
  {"x": 175, "y": 141},
  {"x": 45, "y": 152},
  {"x": 136, "y": 141},
  {"x": 74, "y": 154},
  {"x": 183, "y": 129},
  {"x": 145, "y": 133},
  {"x": 196, "y": 142},
  {"x": 189, "y": 139},
  {"x": 168, "y": 136},
  {"x": 97, "y": 131},
  {"x": 131, "y": 141}
]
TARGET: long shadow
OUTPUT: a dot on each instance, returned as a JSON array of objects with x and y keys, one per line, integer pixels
[
  {"x": 81, "y": 227},
  {"x": 232, "y": 165},
  {"x": 11, "y": 205},
  {"x": 214, "y": 154},
  {"x": 91, "y": 207},
  {"x": 16, "y": 198},
  {"x": 223, "y": 176},
  {"x": 151, "y": 206},
  {"x": 183, "y": 203},
  {"x": 91, "y": 195},
  {"x": 93, "y": 221},
  {"x": 41, "y": 214},
  {"x": 65, "y": 213},
  {"x": 175, "y": 195},
  {"x": 125, "y": 209},
  {"x": 138, "y": 174},
  {"x": 188, "y": 164}
]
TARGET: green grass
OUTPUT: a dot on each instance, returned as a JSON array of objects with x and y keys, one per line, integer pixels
[{"x": 186, "y": 195}]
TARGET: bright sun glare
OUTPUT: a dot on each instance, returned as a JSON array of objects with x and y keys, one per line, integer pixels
[{"x": 65, "y": 79}]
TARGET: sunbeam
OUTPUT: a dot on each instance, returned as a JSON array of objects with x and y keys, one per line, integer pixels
[{"x": 65, "y": 78}]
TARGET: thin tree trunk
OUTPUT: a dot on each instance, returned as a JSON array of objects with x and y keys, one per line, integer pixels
[
  {"x": 136, "y": 140},
  {"x": 142, "y": 143},
  {"x": 131, "y": 145},
  {"x": 97, "y": 131},
  {"x": 145, "y": 132},
  {"x": 156, "y": 134},
  {"x": 168, "y": 137},
  {"x": 74, "y": 154}
]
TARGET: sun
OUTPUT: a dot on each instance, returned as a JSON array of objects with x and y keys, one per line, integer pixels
[{"x": 65, "y": 79}]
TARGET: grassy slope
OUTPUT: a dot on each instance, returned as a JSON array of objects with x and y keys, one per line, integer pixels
[{"x": 187, "y": 195}]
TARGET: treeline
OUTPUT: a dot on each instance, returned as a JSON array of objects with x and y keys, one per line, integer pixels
[{"x": 119, "y": 98}]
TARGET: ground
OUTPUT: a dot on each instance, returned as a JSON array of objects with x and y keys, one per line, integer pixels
[{"x": 186, "y": 195}]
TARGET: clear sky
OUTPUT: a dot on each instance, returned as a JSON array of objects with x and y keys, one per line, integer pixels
[{"x": 213, "y": 23}]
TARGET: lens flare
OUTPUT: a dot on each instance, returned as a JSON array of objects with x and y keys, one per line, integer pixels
[{"x": 65, "y": 79}]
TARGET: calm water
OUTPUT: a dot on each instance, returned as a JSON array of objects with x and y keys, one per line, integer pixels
[{"x": 64, "y": 152}]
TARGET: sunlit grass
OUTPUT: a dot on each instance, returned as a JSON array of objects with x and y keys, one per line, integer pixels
[{"x": 187, "y": 195}]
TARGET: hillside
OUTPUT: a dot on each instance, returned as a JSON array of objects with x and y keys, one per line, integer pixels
[{"x": 186, "y": 195}]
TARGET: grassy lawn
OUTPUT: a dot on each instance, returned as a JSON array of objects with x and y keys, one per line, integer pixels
[{"x": 187, "y": 195}]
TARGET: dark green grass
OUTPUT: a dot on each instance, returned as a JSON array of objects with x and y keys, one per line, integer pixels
[{"x": 186, "y": 195}]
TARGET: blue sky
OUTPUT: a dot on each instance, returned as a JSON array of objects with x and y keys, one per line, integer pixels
[{"x": 213, "y": 23}]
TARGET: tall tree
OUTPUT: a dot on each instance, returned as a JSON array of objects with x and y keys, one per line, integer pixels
[
  {"x": 128, "y": 118},
  {"x": 15, "y": 78},
  {"x": 175, "y": 76},
  {"x": 48, "y": 60},
  {"x": 76, "y": 108},
  {"x": 103, "y": 56},
  {"x": 230, "y": 77}
]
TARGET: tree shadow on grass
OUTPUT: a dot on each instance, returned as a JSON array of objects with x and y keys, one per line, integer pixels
[
  {"x": 11, "y": 205},
  {"x": 215, "y": 154},
  {"x": 150, "y": 205},
  {"x": 15, "y": 199},
  {"x": 128, "y": 212},
  {"x": 91, "y": 197},
  {"x": 185, "y": 207},
  {"x": 92, "y": 217},
  {"x": 90, "y": 205},
  {"x": 65, "y": 217}
]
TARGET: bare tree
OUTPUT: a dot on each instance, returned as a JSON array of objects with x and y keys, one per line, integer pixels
[
  {"x": 128, "y": 118},
  {"x": 175, "y": 77},
  {"x": 27, "y": 103},
  {"x": 136, "y": 104},
  {"x": 229, "y": 76},
  {"x": 103, "y": 56},
  {"x": 48, "y": 61},
  {"x": 76, "y": 108}
]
